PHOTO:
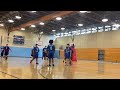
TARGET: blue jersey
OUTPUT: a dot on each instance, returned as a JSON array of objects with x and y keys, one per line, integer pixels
[
  {"x": 51, "y": 48},
  {"x": 6, "y": 49},
  {"x": 45, "y": 50},
  {"x": 67, "y": 50},
  {"x": 36, "y": 50}
]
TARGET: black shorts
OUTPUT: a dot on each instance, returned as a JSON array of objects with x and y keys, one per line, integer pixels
[
  {"x": 1, "y": 54},
  {"x": 6, "y": 53},
  {"x": 44, "y": 54}
]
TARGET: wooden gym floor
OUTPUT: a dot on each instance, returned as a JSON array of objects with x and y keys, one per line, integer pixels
[{"x": 20, "y": 68}]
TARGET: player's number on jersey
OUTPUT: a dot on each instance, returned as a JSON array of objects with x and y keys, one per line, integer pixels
[{"x": 51, "y": 48}]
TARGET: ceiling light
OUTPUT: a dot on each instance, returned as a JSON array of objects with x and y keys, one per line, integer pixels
[
  {"x": 74, "y": 31},
  {"x": 62, "y": 34},
  {"x": 58, "y": 18},
  {"x": 53, "y": 30},
  {"x": 1, "y": 25},
  {"x": 69, "y": 34},
  {"x": 107, "y": 26},
  {"x": 94, "y": 29},
  {"x": 88, "y": 32},
  {"x": 22, "y": 28},
  {"x": 114, "y": 28},
  {"x": 62, "y": 28},
  {"x": 10, "y": 21},
  {"x": 33, "y": 11},
  {"x": 83, "y": 33},
  {"x": 104, "y": 20},
  {"x": 100, "y": 27},
  {"x": 65, "y": 33},
  {"x": 77, "y": 33},
  {"x": 83, "y": 11},
  {"x": 17, "y": 17},
  {"x": 116, "y": 25},
  {"x": 80, "y": 24},
  {"x": 41, "y": 33},
  {"x": 58, "y": 34},
  {"x": 41, "y": 23},
  {"x": 88, "y": 11},
  {"x": 33, "y": 26}
]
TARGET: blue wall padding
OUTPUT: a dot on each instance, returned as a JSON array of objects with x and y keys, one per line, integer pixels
[{"x": 26, "y": 52}]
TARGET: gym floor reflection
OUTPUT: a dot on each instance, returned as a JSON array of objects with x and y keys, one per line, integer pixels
[{"x": 20, "y": 68}]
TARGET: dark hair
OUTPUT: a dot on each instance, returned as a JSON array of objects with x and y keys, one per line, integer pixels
[
  {"x": 68, "y": 44},
  {"x": 50, "y": 41},
  {"x": 36, "y": 44}
]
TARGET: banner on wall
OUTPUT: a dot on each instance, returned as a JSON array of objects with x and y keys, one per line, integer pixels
[{"x": 18, "y": 39}]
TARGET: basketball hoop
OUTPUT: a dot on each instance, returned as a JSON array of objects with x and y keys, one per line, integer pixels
[
  {"x": 39, "y": 46},
  {"x": 71, "y": 43},
  {"x": 40, "y": 43}
]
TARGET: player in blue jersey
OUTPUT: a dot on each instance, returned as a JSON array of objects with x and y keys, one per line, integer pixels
[
  {"x": 2, "y": 52},
  {"x": 6, "y": 51},
  {"x": 44, "y": 53},
  {"x": 35, "y": 53},
  {"x": 51, "y": 52},
  {"x": 65, "y": 55},
  {"x": 68, "y": 54},
  {"x": 32, "y": 52}
]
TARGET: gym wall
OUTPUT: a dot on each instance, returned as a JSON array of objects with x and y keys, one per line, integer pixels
[
  {"x": 87, "y": 45},
  {"x": 30, "y": 40},
  {"x": 109, "y": 39}
]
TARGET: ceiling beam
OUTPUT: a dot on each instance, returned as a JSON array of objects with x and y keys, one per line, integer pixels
[{"x": 44, "y": 18}]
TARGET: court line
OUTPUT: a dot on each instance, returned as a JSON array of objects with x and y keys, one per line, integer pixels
[
  {"x": 10, "y": 75},
  {"x": 41, "y": 74}
]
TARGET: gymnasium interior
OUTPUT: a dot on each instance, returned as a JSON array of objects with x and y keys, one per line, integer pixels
[{"x": 95, "y": 35}]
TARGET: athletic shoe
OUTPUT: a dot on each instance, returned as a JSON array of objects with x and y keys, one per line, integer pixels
[
  {"x": 49, "y": 65},
  {"x": 53, "y": 65},
  {"x": 37, "y": 63},
  {"x": 70, "y": 63}
]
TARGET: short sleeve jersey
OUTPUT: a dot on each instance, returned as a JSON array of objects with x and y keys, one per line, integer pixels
[{"x": 51, "y": 47}]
